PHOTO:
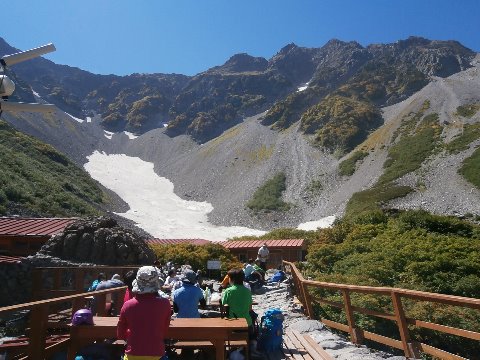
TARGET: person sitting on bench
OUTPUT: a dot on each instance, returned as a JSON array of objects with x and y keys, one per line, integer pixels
[
  {"x": 144, "y": 320},
  {"x": 187, "y": 297}
]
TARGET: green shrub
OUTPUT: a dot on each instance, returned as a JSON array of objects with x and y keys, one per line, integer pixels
[
  {"x": 374, "y": 198},
  {"x": 315, "y": 187},
  {"x": 412, "y": 250},
  {"x": 268, "y": 197},
  {"x": 347, "y": 167},
  {"x": 468, "y": 110},
  {"x": 36, "y": 176},
  {"x": 196, "y": 255},
  {"x": 470, "y": 169},
  {"x": 340, "y": 122},
  {"x": 462, "y": 142},
  {"x": 410, "y": 151}
]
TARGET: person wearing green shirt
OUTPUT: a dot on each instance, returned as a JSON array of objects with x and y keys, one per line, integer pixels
[{"x": 237, "y": 297}]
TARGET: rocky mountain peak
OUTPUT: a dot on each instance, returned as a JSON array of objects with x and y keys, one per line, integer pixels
[
  {"x": 287, "y": 48},
  {"x": 242, "y": 63},
  {"x": 339, "y": 44}
]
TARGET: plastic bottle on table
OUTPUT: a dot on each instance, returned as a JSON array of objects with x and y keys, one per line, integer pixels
[{"x": 207, "y": 295}]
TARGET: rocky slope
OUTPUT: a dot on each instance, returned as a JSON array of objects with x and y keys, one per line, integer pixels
[{"x": 227, "y": 169}]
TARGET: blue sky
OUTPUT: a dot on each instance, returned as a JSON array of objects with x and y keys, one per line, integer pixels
[{"x": 190, "y": 36}]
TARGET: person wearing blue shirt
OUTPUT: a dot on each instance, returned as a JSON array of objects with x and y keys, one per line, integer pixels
[
  {"x": 187, "y": 297},
  {"x": 101, "y": 277}
]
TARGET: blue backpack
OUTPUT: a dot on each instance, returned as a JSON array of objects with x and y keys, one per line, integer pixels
[
  {"x": 271, "y": 330},
  {"x": 277, "y": 277}
]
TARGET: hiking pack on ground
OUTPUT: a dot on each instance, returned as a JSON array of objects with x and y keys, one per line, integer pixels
[{"x": 271, "y": 330}]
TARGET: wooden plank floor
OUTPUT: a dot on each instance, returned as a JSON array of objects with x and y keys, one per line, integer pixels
[{"x": 298, "y": 346}]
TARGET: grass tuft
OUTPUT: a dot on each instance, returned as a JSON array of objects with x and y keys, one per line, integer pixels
[
  {"x": 348, "y": 166},
  {"x": 268, "y": 197},
  {"x": 470, "y": 169}
]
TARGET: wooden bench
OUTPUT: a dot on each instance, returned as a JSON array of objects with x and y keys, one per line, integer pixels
[
  {"x": 207, "y": 345},
  {"x": 302, "y": 346}
]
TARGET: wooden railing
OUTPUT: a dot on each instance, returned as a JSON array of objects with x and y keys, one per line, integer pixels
[
  {"x": 55, "y": 288},
  {"x": 39, "y": 318},
  {"x": 69, "y": 280},
  {"x": 411, "y": 349}
]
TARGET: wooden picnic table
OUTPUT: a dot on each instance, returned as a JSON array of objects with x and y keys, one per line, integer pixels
[{"x": 215, "y": 330}]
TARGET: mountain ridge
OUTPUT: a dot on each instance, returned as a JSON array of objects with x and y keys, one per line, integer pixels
[{"x": 246, "y": 152}]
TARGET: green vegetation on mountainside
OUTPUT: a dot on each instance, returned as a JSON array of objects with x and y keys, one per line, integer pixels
[
  {"x": 340, "y": 122},
  {"x": 468, "y": 110},
  {"x": 419, "y": 137},
  {"x": 38, "y": 177},
  {"x": 412, "y": 149},
  {"x": 268, "y": 197},
  {"x": 348, "y": 166},
  {"x": 145, "y": 109},
  {"x": 196, "y": 255},
  {"x": 470, "y": 133},
  {"x": 470, "y": 169},
  {"x": 413, "y": 250},
  {"x": 342, "y": 115},
  {"x": 214, "y": 102},
  {"x": 125, "y": 109},
  {"x": 384, "y": 81},
  {"x": 285, "y": 112}
]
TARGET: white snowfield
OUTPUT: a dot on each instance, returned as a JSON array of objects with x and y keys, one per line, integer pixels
[
  {"x": 130, "y": 135},
  {"x": 154, "y": 206},
  {"x": 314, "y": 225},
  {"x": 75, "y": 118}
]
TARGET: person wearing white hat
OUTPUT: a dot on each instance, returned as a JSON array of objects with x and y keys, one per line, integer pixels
[{"x": 144, "y": 320}]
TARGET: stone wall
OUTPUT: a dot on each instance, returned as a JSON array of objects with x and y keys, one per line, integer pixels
[{"x": 87, "y": 242}]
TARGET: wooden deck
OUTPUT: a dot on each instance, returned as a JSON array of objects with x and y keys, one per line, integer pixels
[{"x": 48, "y": 319}]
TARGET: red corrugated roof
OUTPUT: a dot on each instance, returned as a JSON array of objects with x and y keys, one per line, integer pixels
[
  {"x": 33, "y": 226},
  {"x": 10, "y": 259},
  {"x": 250, "y": 244},
  {"x": 178, "y": 241}
]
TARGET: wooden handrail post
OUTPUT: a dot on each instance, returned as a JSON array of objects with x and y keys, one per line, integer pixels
[
  {"x": 36, "y": 283},
  {"x": 100, "y": 303},
  {"x": 355, "y": 334},
  {"x": 57, "y": 279},
  {"x": 298, "y": 290},
  {"x": 38, "y": 332},
  {"x": 408, "y": 348},
  {"x": 79, "y": 280},
  {"x": 308, "y": 300}
]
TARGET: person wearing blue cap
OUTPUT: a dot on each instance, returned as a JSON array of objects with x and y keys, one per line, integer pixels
[{"x": 188, "y": 296}]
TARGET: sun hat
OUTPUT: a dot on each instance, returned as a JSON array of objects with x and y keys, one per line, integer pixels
[
  {"x": 146, "y": 281},
  {"x": 189, "y": 276},
  {"x": 116, "y": 277}
]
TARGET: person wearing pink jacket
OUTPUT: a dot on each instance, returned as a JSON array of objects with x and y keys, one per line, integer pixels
[{"x": 144, "y": 320}]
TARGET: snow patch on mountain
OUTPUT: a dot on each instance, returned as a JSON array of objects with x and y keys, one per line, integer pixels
[
  {"x": 314, "y": 225},
  {"x": 130, "y": 135},
  {"x": 75, "y": 118},
  {"x": 304, "y": 87},
  {"x": 153, "y": 204}
]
